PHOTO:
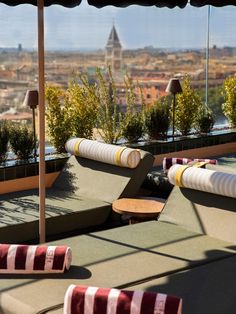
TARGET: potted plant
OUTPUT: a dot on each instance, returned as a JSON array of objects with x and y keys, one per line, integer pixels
[
  {"x": 59, "y": 126},
  {"x": 229, "y": 106},
  {"x": 205, "y": 120},
  {"x": 132, "y": 125},
  {"x": 187, "y": 104},
  {"x": 82, "y": 103},
  {"x": 157, "y": 119},
  {"x": 22, "y": 141},
  {"x": 109, "y": 117},
  {"x": 4, "y": 139}
]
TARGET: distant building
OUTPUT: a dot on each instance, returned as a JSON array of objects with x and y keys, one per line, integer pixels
[
  {"x": 13, "y": 115},
  {"x": 113, "y": 55},
  {"x": 19, "y": 47}
]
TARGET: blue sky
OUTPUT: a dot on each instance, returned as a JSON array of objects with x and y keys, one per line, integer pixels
[{"x": 86, "y": 27}]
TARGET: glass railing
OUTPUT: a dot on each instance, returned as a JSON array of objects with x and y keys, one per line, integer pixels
[{"x": 151, "y": 44}]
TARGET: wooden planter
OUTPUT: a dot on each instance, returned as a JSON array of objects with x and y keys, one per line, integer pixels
[
  {"x": 213, "y": 144},
  {"x": 25, "y": 176}
]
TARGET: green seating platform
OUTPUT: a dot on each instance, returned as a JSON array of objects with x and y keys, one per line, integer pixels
[{"x": 119, "y": 257}]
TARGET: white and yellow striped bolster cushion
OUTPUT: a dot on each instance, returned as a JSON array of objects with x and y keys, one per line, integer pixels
[
  {"x": 112, "y": 154},
  {"x": 203, "y": 180}
]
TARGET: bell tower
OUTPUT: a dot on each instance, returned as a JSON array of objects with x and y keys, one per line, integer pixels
[{"x": 113, "y": 56}]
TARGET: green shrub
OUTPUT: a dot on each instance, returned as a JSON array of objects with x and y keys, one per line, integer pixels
[
  {"x": 157, "y": 119},
  {"x": 4, "y": 139},
  {"x": 187, "y": 104},
  {"x": 205, "y": 120},
  {"x": 22, "y": 141},
  {"x": 133, "y": 127},
  {"x": 229, "y": 106},
  {"x": 59, "y": 126}
]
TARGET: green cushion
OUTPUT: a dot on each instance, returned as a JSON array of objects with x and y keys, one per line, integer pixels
[
  {"x": 80, "y": 198},
  {"x": 208, "y": 289},
  {"x": 64, "y": 212},
  {"x": 228, "y": 168},
  {"x": 98, "y": 180},
  {"x": 113, "y": 258},
  {"x": 201, "y": 212}
]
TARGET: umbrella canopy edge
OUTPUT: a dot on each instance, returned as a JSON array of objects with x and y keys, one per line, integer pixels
[
  {"x": 160, "y": 3},
  {"x": 64, "y": 3}
]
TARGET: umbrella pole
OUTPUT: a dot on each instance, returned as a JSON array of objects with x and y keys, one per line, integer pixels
[{"x": 41, "y": 84}]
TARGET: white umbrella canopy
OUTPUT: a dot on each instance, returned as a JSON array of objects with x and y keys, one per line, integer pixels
[{"x": 41, "y": 88}]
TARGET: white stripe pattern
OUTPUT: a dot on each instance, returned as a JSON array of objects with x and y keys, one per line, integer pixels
[
  {"x": 49, "y": 257},
  {"x": 160, "y": 303},
  {"x": 68, "y": 299},
  {"x": 206, "y": 180},
  {"x": 89, "y": 300},
  {"x": 29, "y": 263},
  {"x": 11, "y": 257},
  {"x": 68, "y": 258},
  {"x": 136, "y": 302},
  {"x": 112, "y": 301}
]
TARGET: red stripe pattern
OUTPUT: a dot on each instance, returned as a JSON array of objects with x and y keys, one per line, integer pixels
[
  {"x": 93, "y": 300},
  {"x": 170, "y": 161},
  {"x": 16, "y": 258},
  {"x": 3, "y": 255}
]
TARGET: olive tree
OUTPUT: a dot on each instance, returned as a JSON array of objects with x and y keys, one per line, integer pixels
[{"x": 109, "y": 118}]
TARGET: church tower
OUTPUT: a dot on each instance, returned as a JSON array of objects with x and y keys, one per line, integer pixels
[{"x": 113, "y": 56}]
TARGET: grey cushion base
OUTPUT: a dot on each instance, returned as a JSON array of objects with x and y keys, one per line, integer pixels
[
  {"x": 208, "y": 289},
  {"x": 98, "y": 180},
  {"x": 113, "y": 258},
  {"x": 65, "y": 212},
  {"x": 201, "y": 212}
]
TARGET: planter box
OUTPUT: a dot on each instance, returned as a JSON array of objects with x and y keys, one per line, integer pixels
[
  {"x": 20, "y": 175},
  {"x": 216, "y": 143},
  {"x": 188, "y": 142},
  {"x": 23, "y": 176}
]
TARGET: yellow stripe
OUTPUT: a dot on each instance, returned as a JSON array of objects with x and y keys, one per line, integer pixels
[
  {"x": 180, "y": 171},
  {"x": 76, "y": 147},
  {"x": 200, "y": 164},
  {"x": 118, "y": 156},
  {"x": 179, "y": 174}
]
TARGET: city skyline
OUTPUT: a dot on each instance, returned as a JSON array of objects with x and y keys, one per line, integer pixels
[{"x": 86, "y": 27}]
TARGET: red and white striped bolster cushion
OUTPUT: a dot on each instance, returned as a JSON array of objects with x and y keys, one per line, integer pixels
[
  {"x": 93, "y": 300},
  {"x": 170, "y": 161},
  {"x": 16, "y": 258}
]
